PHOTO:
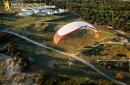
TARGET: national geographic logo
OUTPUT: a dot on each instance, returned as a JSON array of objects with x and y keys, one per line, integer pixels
[
  {"x": 16, "y": 4},
  {"x": 8, "y": 5},
  {"x": 13, "y": 4}
]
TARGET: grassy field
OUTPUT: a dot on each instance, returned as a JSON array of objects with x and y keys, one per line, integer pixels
[
  {"x": 42, "y": 30},
  {"x": 58, "y": 66}
]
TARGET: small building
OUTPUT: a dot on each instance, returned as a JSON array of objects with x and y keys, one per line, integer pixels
[
  {"x": 50, "y": 12},
  {"x": 55, "y": 10},
  {"x": 61, "y": 10},
  {"x": 43, "y": 10}
]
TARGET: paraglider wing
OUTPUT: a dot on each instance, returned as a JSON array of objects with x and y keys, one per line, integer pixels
[
  {"x": 97, "y": 33},
  {"x": 72, "y": 27}
]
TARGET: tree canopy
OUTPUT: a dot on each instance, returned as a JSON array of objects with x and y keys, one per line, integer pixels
[{"x": 115, "y": 13}]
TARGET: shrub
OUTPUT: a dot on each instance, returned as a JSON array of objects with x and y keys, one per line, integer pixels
[
  {"x": 119, "y": 75},
  {"x": 3, "y": 37},
  {"x": 22, "y": 62}
]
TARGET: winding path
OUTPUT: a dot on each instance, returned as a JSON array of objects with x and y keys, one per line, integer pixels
[{"x": 71, "y": 55}]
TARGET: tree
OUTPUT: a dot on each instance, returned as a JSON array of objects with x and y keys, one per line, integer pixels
[
  {"x": 3, "y": 37},
  {"x": 22, "y": 62},
  {"x": 43, "y": 79},
  {"x": 10, "y": 48},
  {"x": 119, "y": 75},
  {"x": 110, "y": 12}
]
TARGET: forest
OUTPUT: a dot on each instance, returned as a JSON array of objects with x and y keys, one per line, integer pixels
[{"x": 114, "y": 13}]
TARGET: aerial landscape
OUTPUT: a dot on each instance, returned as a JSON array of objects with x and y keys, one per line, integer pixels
[{"x": 64, "y": 42}]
